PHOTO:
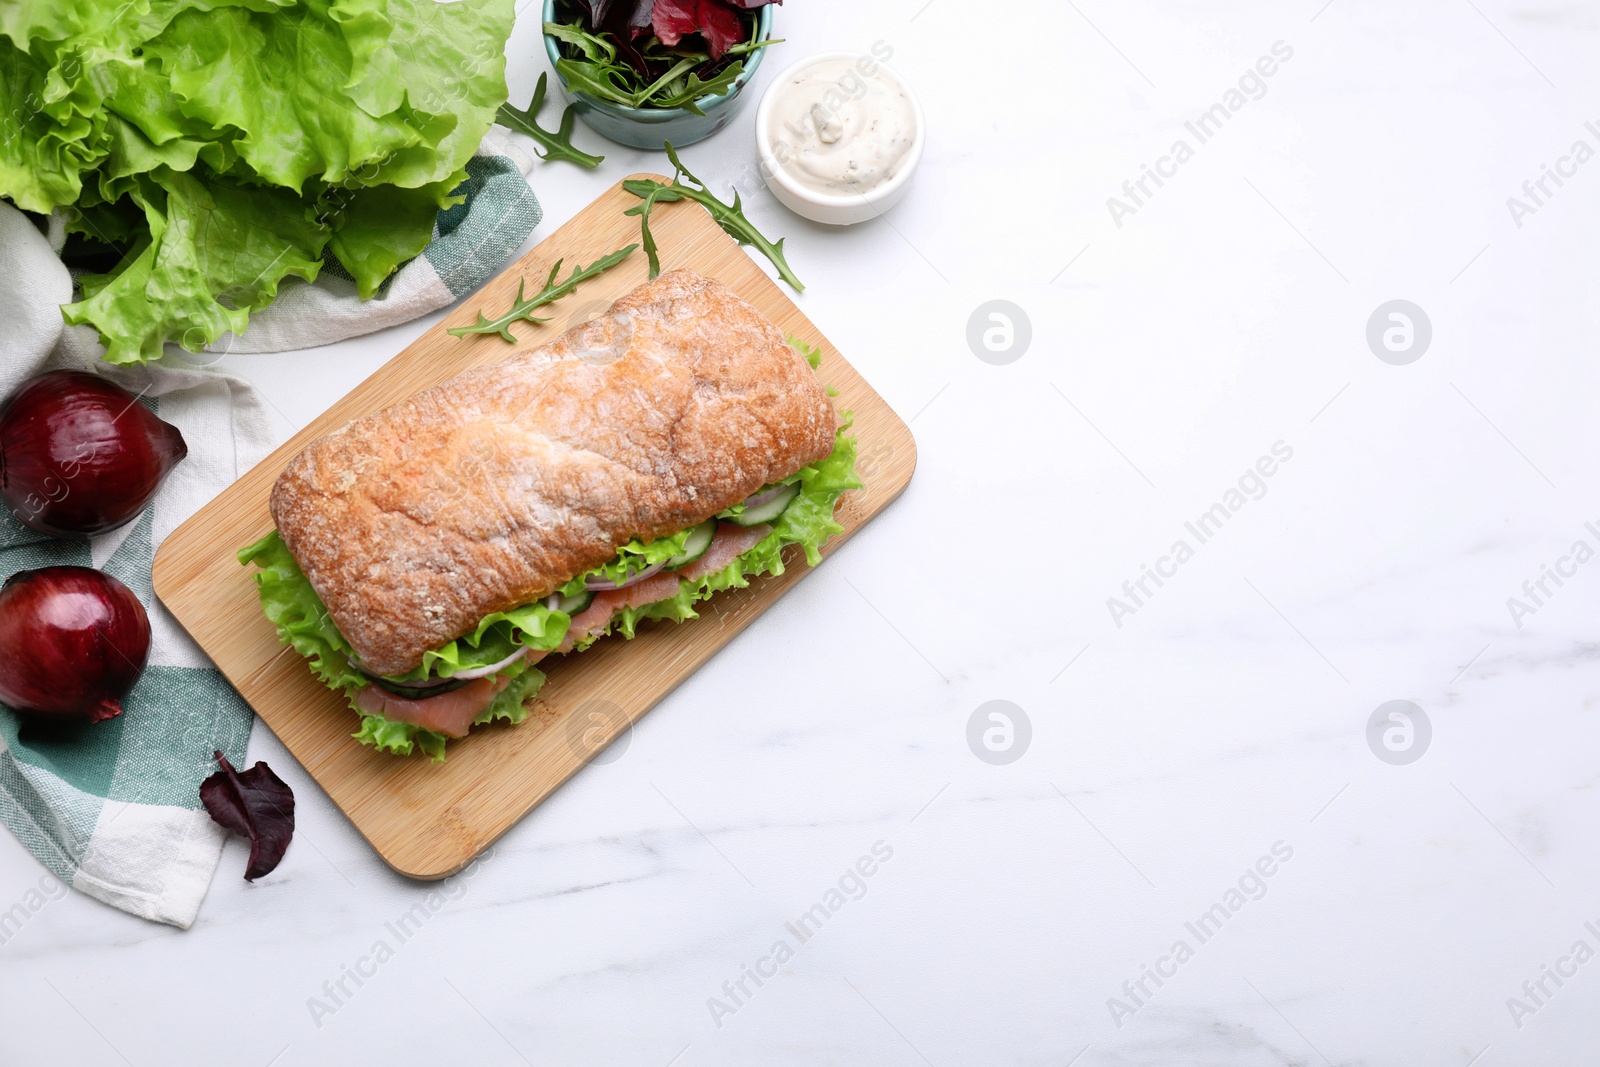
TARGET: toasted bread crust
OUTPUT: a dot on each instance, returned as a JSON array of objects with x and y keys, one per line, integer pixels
[{"x": 495, "y": 488}]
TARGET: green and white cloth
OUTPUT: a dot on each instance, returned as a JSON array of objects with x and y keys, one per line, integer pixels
[{"x": 113, "y": 810}]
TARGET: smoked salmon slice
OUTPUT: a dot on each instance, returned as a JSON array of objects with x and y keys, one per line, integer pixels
[
  {"x": 449, "y": 713},
  {"x": 730, "y": 543}
]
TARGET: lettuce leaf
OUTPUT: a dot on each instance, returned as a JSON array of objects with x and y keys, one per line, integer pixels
[
  {"x": 216, "y": 253},
  {"x": 295, "y": 609},
  {"x": 377, "y": 229},
  {"x": 809, "y": 521},
  {"x": 812, "y": 353}
]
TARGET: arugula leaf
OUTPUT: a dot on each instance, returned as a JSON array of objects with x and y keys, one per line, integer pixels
[
  {"x": 673, "y": 77},
  {"x": 557, "y": 145},
  {"x": 730, "y": 217},
  {"x": 596, "y": 79},
  {"x": 553, "y": 291},
  {"x": 694, "y": 89},
  {"x": 593, "y": 46}
]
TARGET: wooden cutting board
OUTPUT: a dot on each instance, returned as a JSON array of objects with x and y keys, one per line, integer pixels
[{"x": 428, "y": 820}]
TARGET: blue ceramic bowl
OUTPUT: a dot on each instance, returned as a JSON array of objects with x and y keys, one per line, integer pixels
[{"x": 640, "y": 127}]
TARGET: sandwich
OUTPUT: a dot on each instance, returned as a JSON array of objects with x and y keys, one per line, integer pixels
[{"x": 428, "y": 557}]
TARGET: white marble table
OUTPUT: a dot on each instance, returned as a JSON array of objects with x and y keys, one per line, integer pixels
[{"x": 1176, "y": 742}]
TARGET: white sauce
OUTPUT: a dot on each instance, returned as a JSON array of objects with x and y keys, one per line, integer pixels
[{"x": 841, "y": 126}]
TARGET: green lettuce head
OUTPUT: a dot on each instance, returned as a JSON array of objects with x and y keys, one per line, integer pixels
[{"x": 224, "y": 145}]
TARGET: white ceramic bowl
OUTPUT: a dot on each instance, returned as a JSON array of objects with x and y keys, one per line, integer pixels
[{"x": 820, "y": 207}]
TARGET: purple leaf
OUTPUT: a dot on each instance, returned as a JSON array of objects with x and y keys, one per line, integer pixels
[
  {"x": 256, "y": 804},
  {"x": 675, "y": 19},
  {"x": 623, "y": 19},
  {"x": 714, "y": 20}
]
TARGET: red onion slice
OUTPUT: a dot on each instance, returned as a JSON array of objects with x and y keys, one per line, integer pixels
[
  {"x": 605, "y": 585},
  {"x": 484, "y": 672},
  {"x": 766, "y": 496}
]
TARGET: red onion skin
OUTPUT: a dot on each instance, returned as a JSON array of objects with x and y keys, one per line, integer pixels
[
  {"x": 79, "y": 455},
  {"x": 75, "y": 641}
]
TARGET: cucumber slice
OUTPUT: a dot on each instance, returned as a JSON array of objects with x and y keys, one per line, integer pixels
[
  {"x": 574, "y": 604},
  {"x": 699, "y": 540},
  {"x": 771, "y": 509}
]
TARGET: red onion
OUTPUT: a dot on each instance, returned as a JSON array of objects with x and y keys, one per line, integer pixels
[
  {"x": 484, "y": 672},
  {"x": 605, "y": 585},
  {"x": 79, "y": 455},
  {"x": 75, "y": 640},
  {"x": 765, "y": 496}
]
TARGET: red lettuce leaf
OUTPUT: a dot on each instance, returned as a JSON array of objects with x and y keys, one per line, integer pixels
[
  {"x": 715, "y": 20},
  {"x": 256, "y": 804},
  {"x": 623, "y": 19},
  {"x": 673, "y": 20},
  {"x": 721, "y": 27}
]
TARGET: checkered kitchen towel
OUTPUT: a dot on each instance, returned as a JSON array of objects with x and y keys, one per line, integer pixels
[{"x": 114, "y": 810}]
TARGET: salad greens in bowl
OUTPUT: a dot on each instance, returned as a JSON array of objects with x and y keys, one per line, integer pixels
[{"x": 643, "y": 72}]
